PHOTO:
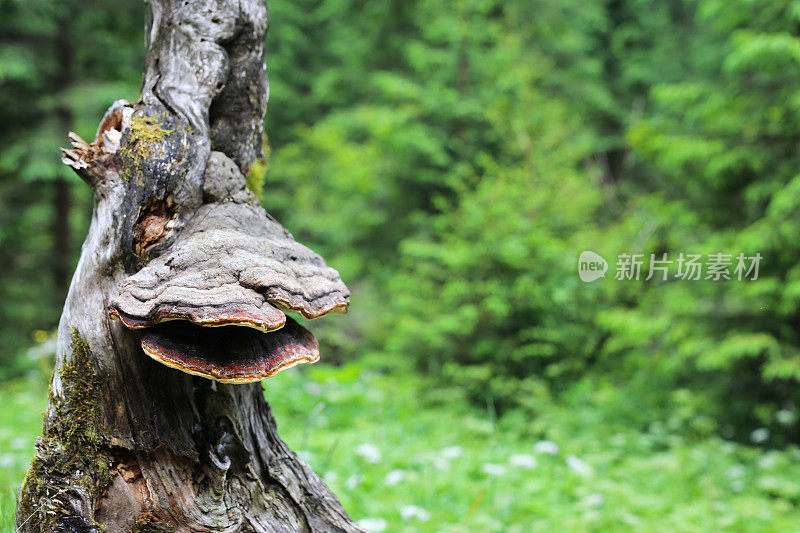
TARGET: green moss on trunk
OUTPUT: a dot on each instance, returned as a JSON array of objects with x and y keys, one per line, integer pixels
[
  {"x": 73, "y": 451},
  {"x": 258, "y": 171},
  {"x": 144, "y": 136}
]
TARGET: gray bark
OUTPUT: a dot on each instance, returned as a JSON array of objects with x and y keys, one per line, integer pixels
[{"x": 132, "y": 445}]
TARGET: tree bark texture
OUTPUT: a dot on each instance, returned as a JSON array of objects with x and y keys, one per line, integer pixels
[{"x": 129, "y": 444}]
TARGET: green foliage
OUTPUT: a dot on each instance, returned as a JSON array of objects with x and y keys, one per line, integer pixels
[
  {"x": 718, "y": 148},
  {"x": 456, "y": 185},
  {"x": 61, "y": 65},
  {"x": 494, "y": 284},
  {"x": 439, "y": 190}
]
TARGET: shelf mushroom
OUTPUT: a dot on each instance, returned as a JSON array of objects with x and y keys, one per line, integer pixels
[{"x": 212, "y": 304}]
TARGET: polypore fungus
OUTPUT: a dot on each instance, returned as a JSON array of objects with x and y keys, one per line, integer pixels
[
  {"x": 231, "y": 264},
  {"x": 204, "y": 255}
]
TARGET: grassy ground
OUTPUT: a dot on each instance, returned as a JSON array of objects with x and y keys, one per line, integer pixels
[{"x": 404, "y": 455}]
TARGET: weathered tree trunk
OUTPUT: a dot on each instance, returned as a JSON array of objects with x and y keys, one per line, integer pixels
[{"x": 129, "y": 443}]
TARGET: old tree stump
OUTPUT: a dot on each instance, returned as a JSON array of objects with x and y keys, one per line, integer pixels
[{"x": 177, "y": 245}]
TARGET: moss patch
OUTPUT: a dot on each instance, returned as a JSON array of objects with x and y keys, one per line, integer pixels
[
  {"x": 258, "y": 172},
  {"x": 143, "y": 134},
  {"x": 147, "y": 129},
  {"x": 76, "y": 421},
  {"x": 72, "y": 450}
]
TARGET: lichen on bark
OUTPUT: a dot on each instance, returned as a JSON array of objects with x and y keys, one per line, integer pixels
[{"x": 144, "y": 136}]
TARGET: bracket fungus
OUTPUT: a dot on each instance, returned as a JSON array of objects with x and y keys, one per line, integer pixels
[
  {"x": 226, "y": 264},
  {"x": 231, "y": 265}
]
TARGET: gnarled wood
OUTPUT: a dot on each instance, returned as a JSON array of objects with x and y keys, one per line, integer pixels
[{"x": 128, "y": 443}]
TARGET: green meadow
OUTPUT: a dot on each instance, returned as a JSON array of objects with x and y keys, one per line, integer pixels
[{"x": 406, "y": 455}]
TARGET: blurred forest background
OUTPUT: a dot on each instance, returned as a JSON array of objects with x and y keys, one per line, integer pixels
[{"x": 452, "y": 160}]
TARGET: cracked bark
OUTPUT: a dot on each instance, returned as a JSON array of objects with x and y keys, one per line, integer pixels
[{"x": 129, "y": 444}]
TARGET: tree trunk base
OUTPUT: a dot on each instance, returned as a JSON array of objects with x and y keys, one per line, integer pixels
[{"x": 239, "y": 476}]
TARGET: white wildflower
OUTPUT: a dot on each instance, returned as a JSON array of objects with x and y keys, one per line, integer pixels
[
  {"x": 786, "y": 417},
  {"x": 394, "y": 477},
  {"x": 452, "y": 452},
  {"x": 759, "y": 435},
  {"x": 768, "y": 461},
  {"x": 631, "y": 519},
  {"x": 353, "y": 481},
  {"x": 369, "y": 452},
  {"x": 441, "y": 464},
  {"x": 736, "y": 471},
  {"x": 412, "y": 512},
  {"x": 546, "y": 446},
  {"x": 594, "y": 499},
  {"x": 493, "y": 469},
  {"x": 373, "y": 525},
  {"x": 578, "y": 465},
  {"x": 523, "y": 460}
]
